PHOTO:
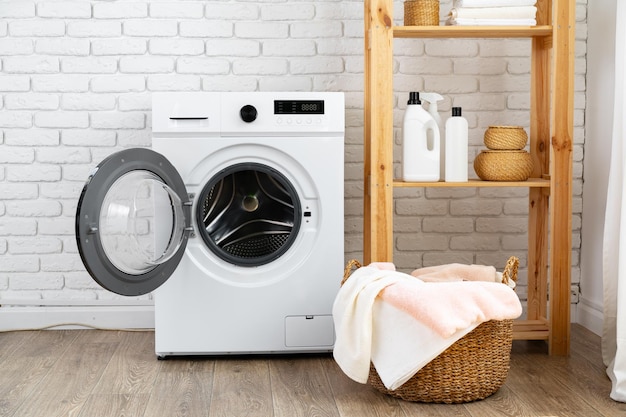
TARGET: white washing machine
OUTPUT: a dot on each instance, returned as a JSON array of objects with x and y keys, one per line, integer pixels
[{"x": 234, "y": 220}]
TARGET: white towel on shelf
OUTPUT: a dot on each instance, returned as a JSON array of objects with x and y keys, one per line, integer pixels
[
  {"x": 493, "y": 3},
  {"x": 491, "y": 22},
  {"x": 524, "y": 12}
]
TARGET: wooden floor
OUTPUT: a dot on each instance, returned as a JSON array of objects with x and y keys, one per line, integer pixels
[{"x": 91, "y": 373}]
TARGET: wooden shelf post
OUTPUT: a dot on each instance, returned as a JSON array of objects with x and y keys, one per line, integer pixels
[
  {"x": 378, "y": 158},
  {"x": 561, "y": 187}
]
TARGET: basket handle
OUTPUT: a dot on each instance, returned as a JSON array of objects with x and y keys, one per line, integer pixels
[
  {"x": 510, "y": 270},
  {"x": 352, "y": 264}
]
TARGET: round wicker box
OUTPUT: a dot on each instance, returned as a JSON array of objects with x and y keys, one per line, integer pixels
[
  {"x": 505, "y": 138},
  {"x": 421, "y": 13},
  {"x": 503, "y": 165}
]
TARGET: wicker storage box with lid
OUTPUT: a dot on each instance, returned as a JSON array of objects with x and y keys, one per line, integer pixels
[
  {"x": 473, "y": 368},
  {"x": 505, "y": 158}
]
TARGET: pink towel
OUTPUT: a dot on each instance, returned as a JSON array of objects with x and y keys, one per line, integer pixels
[
  {"x": 383, "y": 266},
  {"x": 457, "y": 272},
  {"x": 448, "y": 307}
]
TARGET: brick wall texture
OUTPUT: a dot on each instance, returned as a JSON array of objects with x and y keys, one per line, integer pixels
[{"x": 76, "y": 79}]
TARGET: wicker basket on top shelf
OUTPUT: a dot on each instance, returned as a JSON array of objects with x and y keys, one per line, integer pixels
[{"x": 421, "y": 13}]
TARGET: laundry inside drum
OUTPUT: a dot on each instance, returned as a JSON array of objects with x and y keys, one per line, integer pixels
[{"x": 250, "y": 214}]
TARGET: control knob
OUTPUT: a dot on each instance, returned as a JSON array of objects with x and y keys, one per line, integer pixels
[{"x": 248, "y": 113}]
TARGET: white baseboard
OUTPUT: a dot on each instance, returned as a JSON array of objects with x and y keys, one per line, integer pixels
[
  {"x": 65, "y": 317},
  {"x": 590, "y": 316}
]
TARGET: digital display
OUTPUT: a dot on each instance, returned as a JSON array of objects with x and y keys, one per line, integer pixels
[{"x": 298, "y": 106}]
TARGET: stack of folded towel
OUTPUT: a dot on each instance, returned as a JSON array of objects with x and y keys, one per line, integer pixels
[{"x": 493, "y": 12}]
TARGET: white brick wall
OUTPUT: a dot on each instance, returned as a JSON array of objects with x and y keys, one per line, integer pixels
[{"x": 75, "y": 85}]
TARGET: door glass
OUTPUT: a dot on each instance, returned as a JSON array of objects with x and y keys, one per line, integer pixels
[{"x": 141, "y": 222}]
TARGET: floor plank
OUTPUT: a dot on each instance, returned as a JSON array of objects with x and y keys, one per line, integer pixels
[
  {"x": 241, "y": 388},
  {"x": 10, "y": 341},
  {"x": 118, "y": 405},
  {"x": 28, "y": 359},
  {"x": 65, "y": 388},
  {"x": 528, "y": 377},
  {"x": 133, "y": 367},
  {"x": 300, "y": 387},
  {"x": 586, "y": 373},
  {"x": 434, "y": 410},
  {"x": 182, "y": 388},
  {"x": 504, "y": 402},
  {"x": 354, "y": 399}
]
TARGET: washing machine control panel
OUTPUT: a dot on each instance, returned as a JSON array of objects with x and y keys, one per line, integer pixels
[
  {"x": 253, "y": 113},
  {"x": 298, "y": 106},
  {"x": 298, "y": 121},
  {"x": 282, "y": 113},
  {"x": 299, "y": 112}
]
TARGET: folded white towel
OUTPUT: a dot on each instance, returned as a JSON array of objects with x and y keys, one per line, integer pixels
[
  {"x": 493, "y": 3},
  {"x": 524, "y": 12},
  {"x": 491, "y": 22},
  {"x": 401, "y": 345}
]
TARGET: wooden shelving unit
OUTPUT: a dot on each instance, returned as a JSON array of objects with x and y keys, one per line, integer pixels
[{"x": 551, "y": 141}]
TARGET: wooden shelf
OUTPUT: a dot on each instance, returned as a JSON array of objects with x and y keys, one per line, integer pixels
[
  {"x": 471, "y": 31},
  {"x": 530, "y": 183},
  {"x": 551, "y": 128},
  {"x": 531, "y": 330}
]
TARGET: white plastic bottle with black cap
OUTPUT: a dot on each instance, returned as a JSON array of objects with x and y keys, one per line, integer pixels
[
  {"x": 457, "y": 138},
  {"x": 420, "y": 162},
  {"x": 432, "y": 99}
]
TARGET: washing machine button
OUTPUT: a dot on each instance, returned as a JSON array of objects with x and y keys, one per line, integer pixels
[{"x": 248, "y": 113}]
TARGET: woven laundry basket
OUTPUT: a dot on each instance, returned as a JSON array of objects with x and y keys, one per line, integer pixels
[
  {"x": 421, "y": 13},
  {"x": 473, "y": 368}
]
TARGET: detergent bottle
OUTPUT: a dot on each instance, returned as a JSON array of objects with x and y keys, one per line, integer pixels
[
  {"x": 420, "y": 160},
  {"x": 457, "y": 134},
  {"x": 432, "y": 99}
]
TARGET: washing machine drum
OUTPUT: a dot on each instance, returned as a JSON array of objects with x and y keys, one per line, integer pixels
[{"x": 249, "y": 214}]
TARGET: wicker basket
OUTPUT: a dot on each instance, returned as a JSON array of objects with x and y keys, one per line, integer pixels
[
  {"x": 421, "y": 13},
  {"x": 505, "y": 138},
  {"x": 473, "y": 368},
  {"x": 503, "y": 165}
]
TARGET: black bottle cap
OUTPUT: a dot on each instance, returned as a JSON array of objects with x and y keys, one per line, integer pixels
[
  {"x": 456, "y": 112},
  {"x": 414, "y": 98}
]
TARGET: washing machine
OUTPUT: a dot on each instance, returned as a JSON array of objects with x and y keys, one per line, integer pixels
[{"x": 234, "y": 220}]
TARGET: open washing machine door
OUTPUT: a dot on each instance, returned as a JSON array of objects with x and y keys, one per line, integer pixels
[{"x": 133, "y": 221}]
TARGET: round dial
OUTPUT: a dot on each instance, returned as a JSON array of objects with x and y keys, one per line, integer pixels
[{"x": 248, "y": 113}]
